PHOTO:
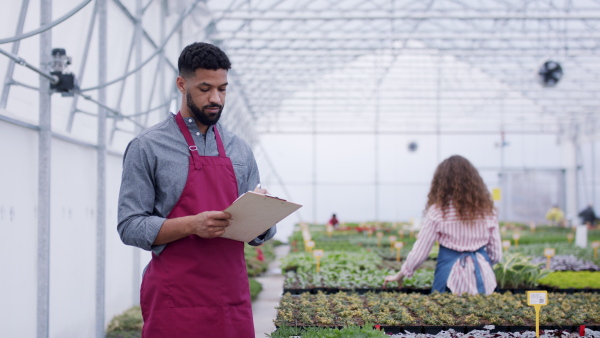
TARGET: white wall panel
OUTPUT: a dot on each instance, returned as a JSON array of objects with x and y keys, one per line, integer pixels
[
  {"x": 18, "y": 224},
  {"x": 72, "y": 240}
]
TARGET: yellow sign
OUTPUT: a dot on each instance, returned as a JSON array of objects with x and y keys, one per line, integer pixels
[
  {"x": 596, "y": 245},
  {"x": 516, "y": 237},
  {"x": 570, "y": 238},
  {"x": 506, "y": 244},
  {"x": 496, "y": 194},
  {"x": 398, "y": 246},
  {"x": 318, "y": 254},
  {"x": 549, "y": 253},
  {"x": 537, "y": 299},
  {"x": 392, "y": 241},
  {"x": 310, "y": 245}
]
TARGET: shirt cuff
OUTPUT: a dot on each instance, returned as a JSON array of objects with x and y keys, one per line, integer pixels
[{"x": 267, "y": 235}]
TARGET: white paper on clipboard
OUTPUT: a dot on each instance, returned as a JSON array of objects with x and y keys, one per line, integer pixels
[{"x": 254, "y": 213}]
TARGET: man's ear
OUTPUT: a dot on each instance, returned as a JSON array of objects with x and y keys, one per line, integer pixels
[{"x": 180, "y": 84}]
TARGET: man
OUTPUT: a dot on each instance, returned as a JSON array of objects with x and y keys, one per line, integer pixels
[{"x": 178, "y": 176}]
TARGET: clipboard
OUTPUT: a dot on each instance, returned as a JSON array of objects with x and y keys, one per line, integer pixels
[{"x": 254, "y": 213}]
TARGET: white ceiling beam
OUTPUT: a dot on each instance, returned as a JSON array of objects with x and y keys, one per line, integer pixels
[
  {"x": 306, "y": 15},
  {"x": 245, "y": 36}
]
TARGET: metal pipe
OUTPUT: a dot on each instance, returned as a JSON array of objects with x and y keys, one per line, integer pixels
[
  {"x": 47, "y": 26},
  {"x": 83, "y": 63},
  {"x": 156, "y": 52},
  {"x": 137, "y": 46},
  {"x": 15, "y": 49},
  {"x": 101, "y": 172},
  {"x": 51, "y": 78},
  {"x": 44, "y": 177}
]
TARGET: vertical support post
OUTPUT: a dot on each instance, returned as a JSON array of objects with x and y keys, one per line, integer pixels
[
  {"x": 376, "y": 143},
  {"x": 314, "y": 153},
  {"x": 44, "y": 177},
  {"x": 101, "y": 172},
  {"x": 83, "y": 62},
  {"x": 571, "y": 177},
  {"x": 138, "y": 109},
  {"x": 15, "y": 50},
  {"x": 438, "y": 112}
]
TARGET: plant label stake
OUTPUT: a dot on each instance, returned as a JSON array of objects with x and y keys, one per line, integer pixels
[
  {"x": 412, "y": 234},
  {"x": 398, "y": 246},
  {"x": 370, "y": 232},
  {"x": 392, "y": 241},
  {"x": 549, "y": 253},
  {"x": 570, "y": 238},
  {"x": 310, "y": 245},
  {"x": 505, "y": 245},
  {"x": 537, "y": 299},
  {"x": 596, "y": 245},
  {"x": 318, "y": 254},
  {"x": 379, "y": 237},
  {"x": 516, "y": 237},
  {"x": 532, "y": 226},
  {"x": 401, "y": 233},
  {"x": 329, "y": 230}
]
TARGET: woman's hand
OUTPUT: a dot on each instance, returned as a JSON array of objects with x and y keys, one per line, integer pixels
[{"x": 395, "y": 278}]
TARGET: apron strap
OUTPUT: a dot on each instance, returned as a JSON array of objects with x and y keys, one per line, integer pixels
[
  {"x": 190, "y": 141},
  {"x": 220, "y": 146}
]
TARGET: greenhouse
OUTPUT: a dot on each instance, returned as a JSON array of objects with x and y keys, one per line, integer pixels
[{"x": 398, "y": 133}]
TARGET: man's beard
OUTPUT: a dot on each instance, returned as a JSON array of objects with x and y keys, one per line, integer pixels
[{"x": 200, "y": 115}]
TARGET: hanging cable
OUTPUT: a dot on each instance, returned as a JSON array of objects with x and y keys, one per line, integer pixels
[{"x": 48, "y": 26}]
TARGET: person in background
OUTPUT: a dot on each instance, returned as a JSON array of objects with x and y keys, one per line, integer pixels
[
  {"x": 178, "y": 177},
  {"x": 334, "y": 222},
  {"x": 555, "y": 216},
  {"x": 588, "y": 216},
  {"x": 460, "y": 215}
]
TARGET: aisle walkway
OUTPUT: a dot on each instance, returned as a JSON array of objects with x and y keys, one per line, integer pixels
[{"x": 263, "y": 307}]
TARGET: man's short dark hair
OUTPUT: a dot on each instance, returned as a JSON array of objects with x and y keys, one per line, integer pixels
[{"x": 202, "y": 55}]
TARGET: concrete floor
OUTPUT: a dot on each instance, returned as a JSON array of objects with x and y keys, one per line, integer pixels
[{"x": 263, "y": 308}]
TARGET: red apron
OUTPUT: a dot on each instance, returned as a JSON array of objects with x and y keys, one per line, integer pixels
[{"x": 198, "y": 287}]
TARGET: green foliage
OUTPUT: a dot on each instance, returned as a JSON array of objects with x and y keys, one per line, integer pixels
[
  {"x": 255, "y": 288},
  {"x": 254, "y": 266},
  {"x": 421, "y": 279},
  {"x": 334, "y": 260},
  {"x": 397, "y": 309},
  {"x": 351, "y": 331},
  {"x": 565, "y": 248},
  {"x": 572, "y": 279},
  {"x": 125, "y": 324},
  {"x": 516, "y": 271}
]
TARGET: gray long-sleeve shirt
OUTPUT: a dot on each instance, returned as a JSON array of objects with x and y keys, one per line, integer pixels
[{"x": 155, "y": 168}]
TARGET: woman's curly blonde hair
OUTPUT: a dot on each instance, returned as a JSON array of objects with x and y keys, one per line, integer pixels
[{"x": 457, "y": 181}]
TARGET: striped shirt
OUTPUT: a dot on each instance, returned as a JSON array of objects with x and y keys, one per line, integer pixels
[{"x": 461, "y": 236}]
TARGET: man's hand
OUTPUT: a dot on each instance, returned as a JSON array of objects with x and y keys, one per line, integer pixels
[
  {"x": 260, "y": 190},
  {"x": 210, "y": 224},
  {"x": 395, "y": 278}
]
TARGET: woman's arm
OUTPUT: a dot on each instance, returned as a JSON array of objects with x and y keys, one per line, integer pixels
[{"x": 425, "y": 240}]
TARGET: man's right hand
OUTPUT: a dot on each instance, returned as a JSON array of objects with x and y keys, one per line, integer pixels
[{"x": 210, "y": 224}]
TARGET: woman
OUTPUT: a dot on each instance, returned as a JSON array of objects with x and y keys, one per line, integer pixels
[{"x": 459, "y": 215}]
